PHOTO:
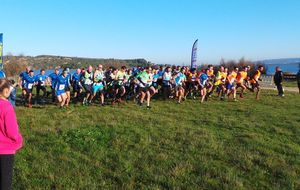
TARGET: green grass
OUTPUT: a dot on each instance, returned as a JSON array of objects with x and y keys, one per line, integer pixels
[
  {"x": 290, "y": 84},
  {"x": 216, "y": 145}
]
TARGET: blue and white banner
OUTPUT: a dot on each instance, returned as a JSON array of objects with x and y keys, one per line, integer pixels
[
  {"x": 1, "y": 51},
  {"x": 194, "y": 55}
]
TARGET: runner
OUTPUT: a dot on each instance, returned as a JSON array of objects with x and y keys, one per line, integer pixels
[
  {"x": 160, "y": 73},
  {"x": 110, "y": 83},
  {"x": 179, "y": 79},
  {"x": 210, "y": 80},
  {"x": 68, "y": 86},
  {"x": 241, "y": 80},
  {"x": 203, "y": 83},
  {"x": 129, "y": 84},
  {"x": 60, "y": 89},
  {"x": 99, "y": 84},
  {"x": 222, "y": 86},
  {"x": 144, "y": 84},
  {"x": 254, "y": 81},
  {"x": 192, "y": 82},
  {"x": 76, "y": 84},
  {"x": 40, "y": 81},
  {"x": 21, "y": 82},
  {"x": 87, "y": 81},
  {"x": 167, "y": 83},
  {"x": 154, "y": 85},
  {"x": 230, "y": 84},
  {"x": 136, "y": 83},
  {"x": 119, "y": 89},
  {"x": 218, "y": 80},
  {"x": 29, "y": 84},
  {"x": 52, "y": 80}
]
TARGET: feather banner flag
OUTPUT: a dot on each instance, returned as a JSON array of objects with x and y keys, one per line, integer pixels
[{"x": 194, "y": 55}]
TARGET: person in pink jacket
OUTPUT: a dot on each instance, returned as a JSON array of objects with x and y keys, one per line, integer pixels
[{"x": 10, "y": 138}]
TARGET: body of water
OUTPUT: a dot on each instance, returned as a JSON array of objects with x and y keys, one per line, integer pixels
[{"x": 291, "y": 68}]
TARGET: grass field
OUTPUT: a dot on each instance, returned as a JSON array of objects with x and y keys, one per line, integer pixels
[
  {"x": 216, "y": 145},
  {"x": 290, "y": 84}
]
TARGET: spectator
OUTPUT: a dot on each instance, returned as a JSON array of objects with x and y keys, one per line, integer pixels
[
  {"x": 10, "y": 137},
  {"x": 278, "y": 79}
]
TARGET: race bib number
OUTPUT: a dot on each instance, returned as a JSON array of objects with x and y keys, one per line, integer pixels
[
  {"x": 61, "y": 87},
  {"x": 30, "y": 86},
  {"x": 88, "y": 82},
  {"x": 141, "y": 85}
]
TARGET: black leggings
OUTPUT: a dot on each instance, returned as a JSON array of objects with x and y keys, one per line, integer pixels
[
  {"x": 6, "y": 171},
  {"x": 280, "y": 89}
]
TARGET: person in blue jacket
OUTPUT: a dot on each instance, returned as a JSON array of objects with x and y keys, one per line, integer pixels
[
  {"x": 52, "y": 79},
  {"x": 60, "y": 88},
  {"x": 203, "y": 84},
  {"x": 68, "y": 86},
  {"x": 29, "y": 84},
  {"x": 21, "y": 82},
  {"x": 41, "y": 80},
  {"x": 76, "y": 84}
]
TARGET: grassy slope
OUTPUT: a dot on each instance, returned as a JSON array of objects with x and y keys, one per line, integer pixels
[{"x": 216, "y": 145}]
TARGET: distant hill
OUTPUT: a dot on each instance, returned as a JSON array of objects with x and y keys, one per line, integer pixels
[{"x": 50, "y": 62}]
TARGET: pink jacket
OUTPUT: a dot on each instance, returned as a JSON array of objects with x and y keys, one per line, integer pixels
[{"x": 10, "y": 138}]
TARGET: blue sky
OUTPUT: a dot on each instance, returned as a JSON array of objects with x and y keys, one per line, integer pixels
[{"x": 161, "y": 31}]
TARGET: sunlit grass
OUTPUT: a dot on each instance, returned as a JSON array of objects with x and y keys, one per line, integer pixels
[{"x": 216, "y": 145}]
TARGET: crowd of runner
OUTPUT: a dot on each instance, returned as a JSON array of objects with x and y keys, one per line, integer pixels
[{"x": 114, "y": 85}]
